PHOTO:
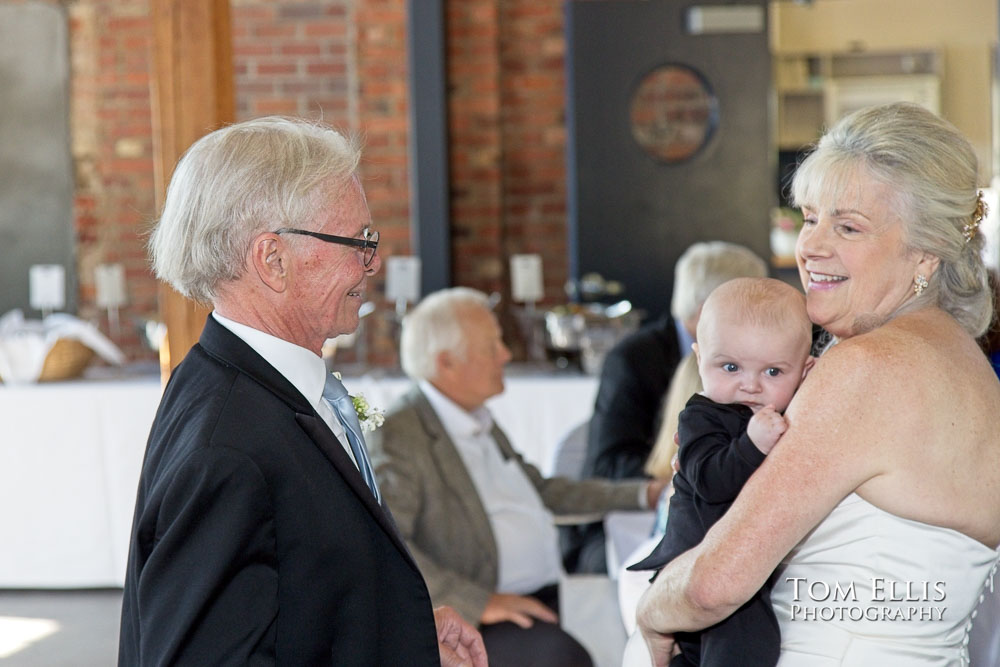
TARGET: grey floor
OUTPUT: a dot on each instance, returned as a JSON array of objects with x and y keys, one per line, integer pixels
[{"x": 80, "y": 628}]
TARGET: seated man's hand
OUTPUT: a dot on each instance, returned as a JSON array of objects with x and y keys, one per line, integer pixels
[
  {"x": 653, "y": 491},
  {"x": 518, "y": 609},
  {"x": 459, "y": 644}
]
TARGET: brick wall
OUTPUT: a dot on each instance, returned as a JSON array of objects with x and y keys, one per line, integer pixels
[
  {"x": 507, "y": 131},
  {"x": 290, "y": 58},
  {"x": 534, "y": 132},
  {"x": 475, "y": 143},
  {"x": 380, "y": 80},
  {"x": 293, "y": 58},
  {"x": 343, "y": 61},
  {"x": 112, "y": 153}
]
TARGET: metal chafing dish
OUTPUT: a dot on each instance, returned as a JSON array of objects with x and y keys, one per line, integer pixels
[{"x": 586, "y": 332}]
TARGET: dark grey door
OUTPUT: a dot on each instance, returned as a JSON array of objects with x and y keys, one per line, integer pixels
[
  {"x": 632, "y": 213},
  {"x": 36, "y": 175}
]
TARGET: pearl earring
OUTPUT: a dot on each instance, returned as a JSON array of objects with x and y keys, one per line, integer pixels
[{"x": 919, "y": 284}]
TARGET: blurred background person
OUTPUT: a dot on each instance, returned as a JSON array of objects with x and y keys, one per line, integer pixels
[
  {"x": 991, "y": 339},
  {"x": 478, "y": 518}
]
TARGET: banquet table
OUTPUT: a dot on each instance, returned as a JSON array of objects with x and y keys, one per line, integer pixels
[{"x": 71, "y": 453}]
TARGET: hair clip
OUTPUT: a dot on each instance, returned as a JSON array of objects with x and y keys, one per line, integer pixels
[{"x": 970, "y": 228}]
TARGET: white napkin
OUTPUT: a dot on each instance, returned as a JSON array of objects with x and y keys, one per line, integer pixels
[{"x": 24, "y": 344}]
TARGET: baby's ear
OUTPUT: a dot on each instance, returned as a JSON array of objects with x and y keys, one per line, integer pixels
[
  {"x": 694, "y": 348},
  {"x": 810, "y": 361}
]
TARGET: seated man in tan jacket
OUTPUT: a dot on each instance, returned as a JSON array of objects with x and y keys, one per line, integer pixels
[{"x": 477, "y": 518}]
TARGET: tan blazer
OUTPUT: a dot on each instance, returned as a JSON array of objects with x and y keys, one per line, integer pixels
[{"x": 438, "y": 511}]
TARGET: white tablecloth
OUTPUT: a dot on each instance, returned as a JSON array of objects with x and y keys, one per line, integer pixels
[
  {"x": 535, "y": 411},
  {"x": 71, "y": 453},
  {"x": 69, "y": 464}
]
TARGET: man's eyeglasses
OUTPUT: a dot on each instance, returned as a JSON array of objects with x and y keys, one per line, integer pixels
[{"x": 369, "y": 244}]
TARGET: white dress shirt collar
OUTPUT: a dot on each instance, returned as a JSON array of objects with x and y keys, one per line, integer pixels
[
  {"x": 301, "y": 367},
  {"x": 526, "y": 539},
  {"x": 457, "y": 421}
]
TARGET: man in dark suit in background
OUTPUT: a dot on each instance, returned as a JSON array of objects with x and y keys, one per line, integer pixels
[{"x": 259, "y": 536}]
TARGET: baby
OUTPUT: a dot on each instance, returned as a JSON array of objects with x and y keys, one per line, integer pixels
[{"x": 753, "y": 342}]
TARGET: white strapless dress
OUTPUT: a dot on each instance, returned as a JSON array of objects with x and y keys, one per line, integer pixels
[{"x": 868, "y": 588}]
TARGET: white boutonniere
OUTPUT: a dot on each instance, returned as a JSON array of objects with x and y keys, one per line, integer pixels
[{"x": 369, "y": 417}]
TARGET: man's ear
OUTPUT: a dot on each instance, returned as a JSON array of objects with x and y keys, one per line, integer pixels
[
  {"x": 443, "y": 361},
  {"x": 269, "y": 257}
]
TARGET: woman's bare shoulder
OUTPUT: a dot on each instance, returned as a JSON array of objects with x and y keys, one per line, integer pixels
[
  {"x": 919, "y": 382},
  {"x": 870, "y": 386},
  {"x": 853, "y": 364},
  {"x": 902, "y": 350}
]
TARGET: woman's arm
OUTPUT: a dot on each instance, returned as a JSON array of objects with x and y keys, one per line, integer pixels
[{"x": 824, "y": 456}]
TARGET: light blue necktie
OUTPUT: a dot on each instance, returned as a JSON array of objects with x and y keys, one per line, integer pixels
[{"x": 335, "y": 392}]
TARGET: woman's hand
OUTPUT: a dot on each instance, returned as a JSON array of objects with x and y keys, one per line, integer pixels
[{"x": 661, "y": 646}]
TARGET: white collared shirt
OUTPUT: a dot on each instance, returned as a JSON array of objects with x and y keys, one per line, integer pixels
[
  {"x": 301, "y": 367},
  {"x": 526, "y": 536}
]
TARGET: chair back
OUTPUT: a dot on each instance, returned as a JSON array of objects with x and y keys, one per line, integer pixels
[{"x": 571, "y": 453}]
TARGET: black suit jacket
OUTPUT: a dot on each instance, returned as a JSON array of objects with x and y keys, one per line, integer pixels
[
  {"x": 255, "y": 540},
  {"x": 634, "y": 381}
]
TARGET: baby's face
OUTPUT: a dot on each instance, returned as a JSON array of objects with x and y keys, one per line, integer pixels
[{"x": 752, "y": 365}]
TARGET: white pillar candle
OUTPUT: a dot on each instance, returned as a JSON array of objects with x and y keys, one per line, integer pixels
[
  {"x": 109, "y": 280},
  {"x": 526, "y": 278},
  {"x": 47, "y": 287}
]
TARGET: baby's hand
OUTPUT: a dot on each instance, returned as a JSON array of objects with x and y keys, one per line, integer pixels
[{"x": 765, "y": 428}]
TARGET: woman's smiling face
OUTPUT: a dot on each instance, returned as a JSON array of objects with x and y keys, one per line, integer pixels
[{"x": 852, "y": 256}]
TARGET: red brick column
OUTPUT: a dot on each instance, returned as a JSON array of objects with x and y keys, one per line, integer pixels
[
  {"x": 508, "y": 139},
  {"x": 112, "y": 153},
  {"x": 533, "y": 92},
  {"x": 382, "y": 118},
  {"x": 507, "y": 133},
  {"x": 476, "y": 143}
]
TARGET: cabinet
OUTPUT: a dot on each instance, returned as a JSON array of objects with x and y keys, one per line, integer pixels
[{"x": 814, "y": 90}]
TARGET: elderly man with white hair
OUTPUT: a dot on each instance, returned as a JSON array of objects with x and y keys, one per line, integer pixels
[
  {"x": 259, "y": 536},
  {"x": 477, "y": 518}
]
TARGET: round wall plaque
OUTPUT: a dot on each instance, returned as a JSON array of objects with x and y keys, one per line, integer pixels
[{"x": 673, "y": 113}]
